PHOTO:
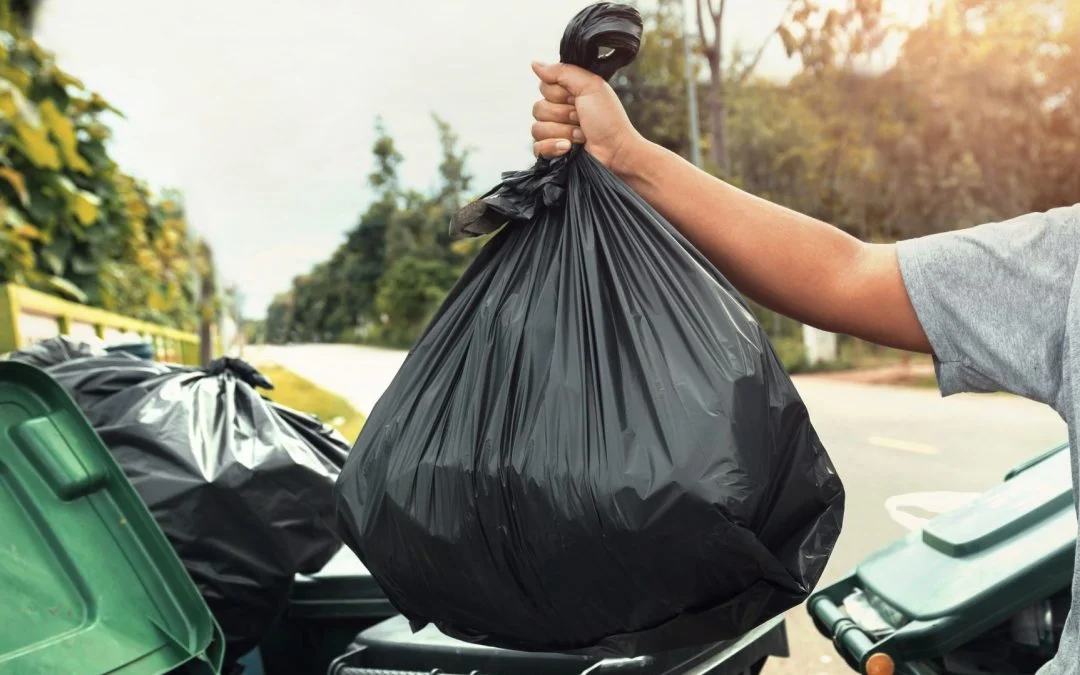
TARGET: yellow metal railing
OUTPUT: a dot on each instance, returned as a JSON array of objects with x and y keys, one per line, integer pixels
[{"x": 18, "y": 303}]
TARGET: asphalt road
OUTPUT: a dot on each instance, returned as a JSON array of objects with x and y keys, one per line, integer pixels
[{"x": 907, "y": 448}]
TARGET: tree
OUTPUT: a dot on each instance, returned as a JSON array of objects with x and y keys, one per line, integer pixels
[
  {"x": 74, "y": 224},
  {"x": 409, "y": 294},
  {"x": 279, "y": 318},
  {"x": 720, "y": 80},
  {"x": 22, "y": 11},
  {"x": 402, "y": 233},
  {"x": 976, "y": 118},
  {"x": 834, "y": 38},
  {"x": 653, "y": 87},
  {"x": 979, "y": 141},
  {"x": 209, "y": 302}
]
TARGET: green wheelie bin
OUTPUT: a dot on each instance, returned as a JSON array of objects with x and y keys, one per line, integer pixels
[
  {"x": 88, "y": 582},
  {"x": 392, "y": 648},
  {"x": 982, "y": 589},
  {"x": 326, "y": 611}
]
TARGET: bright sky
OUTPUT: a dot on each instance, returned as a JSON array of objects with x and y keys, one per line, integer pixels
[{"x": 262, "y": 111}]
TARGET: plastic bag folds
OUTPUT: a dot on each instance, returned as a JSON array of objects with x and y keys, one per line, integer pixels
[
  {"x": 593, "y": 447},
  {"x": 241, "y": 486}
]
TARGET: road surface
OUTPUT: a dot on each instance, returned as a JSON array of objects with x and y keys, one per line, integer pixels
[{"x": 902, "y": 454}]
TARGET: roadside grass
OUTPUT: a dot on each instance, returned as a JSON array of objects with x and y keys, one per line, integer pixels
[{"x": 297, "y": 392}]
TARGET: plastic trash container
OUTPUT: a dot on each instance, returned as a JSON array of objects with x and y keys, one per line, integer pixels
[
  {"x": 391, "y": 648},
  {"x": 326, "y": 611},
  {"x": 981, "y": 589},
  {"x": 88, "y": 583}
]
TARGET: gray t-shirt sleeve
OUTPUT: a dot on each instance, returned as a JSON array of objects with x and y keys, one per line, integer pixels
[{"x": 993, "y": 301}]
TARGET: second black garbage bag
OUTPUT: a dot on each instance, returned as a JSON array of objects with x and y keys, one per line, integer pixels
[
  {"x": 593, "y": 447},
  {"x": 241, "y": 486}
]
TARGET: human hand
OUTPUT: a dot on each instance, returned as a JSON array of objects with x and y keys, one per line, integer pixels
[{"x": 580, "y": 107}]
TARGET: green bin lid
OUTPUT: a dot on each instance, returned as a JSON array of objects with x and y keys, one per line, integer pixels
[
  {"x": 1008, "y": 547},
  {"x": 88, "y": 583}
]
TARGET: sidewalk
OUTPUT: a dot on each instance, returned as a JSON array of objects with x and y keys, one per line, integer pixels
[{"x": 914, "y": 374}]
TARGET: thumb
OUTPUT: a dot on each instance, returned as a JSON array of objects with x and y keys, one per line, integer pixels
[{"x": 572, "y": 78}]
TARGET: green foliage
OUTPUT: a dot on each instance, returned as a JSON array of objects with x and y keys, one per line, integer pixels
[
  {"x": 792, "y": 353},
  {"x": 73, "y": 223},
  {"x": 393, "y": 269},
  {"x": 976, "y": 119},
  {"x": 653, "y": 87},
  {"x": 409, "y": 294}
]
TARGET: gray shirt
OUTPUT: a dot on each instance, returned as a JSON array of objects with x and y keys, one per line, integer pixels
[{"x": 1000, "y": 304}]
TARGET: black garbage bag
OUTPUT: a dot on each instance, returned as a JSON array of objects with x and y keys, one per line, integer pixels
[
  {"x": 242, "y": 487},
  {"x": 592, "y": 447},
  {"x": 55, "y": 350}
]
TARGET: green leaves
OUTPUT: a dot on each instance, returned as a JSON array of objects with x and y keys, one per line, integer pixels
[
  {"x": 33, "y": 142},
  {"x": 66, "y": 289},
  {"x": 85, "y": 206},
  {"x": 73, "y": 224},
  {"x": 81, "y": 204},
  {"x": 17, "y": 183},
  {"x": 395, "y": 266},
  {"x": 64, "y": 132},
  {"x": 63, "y": 78}
]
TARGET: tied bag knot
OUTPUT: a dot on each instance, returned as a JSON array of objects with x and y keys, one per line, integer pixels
[
  {"x": 602, "y": 39},
  {"x": 521, "y": 196},
  {"x": 242, "y": 370},
  {"x": 594, "y": 422}
]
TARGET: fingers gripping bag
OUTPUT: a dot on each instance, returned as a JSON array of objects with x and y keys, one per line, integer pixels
[{"x": 593, "y": 447}]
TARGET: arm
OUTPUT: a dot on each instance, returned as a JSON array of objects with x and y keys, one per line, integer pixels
[
  {"x": 788, "y": 262},
  {"x": 791, "y": 263}
]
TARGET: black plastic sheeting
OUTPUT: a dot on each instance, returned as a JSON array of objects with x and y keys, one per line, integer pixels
[
  {"x": 241, "y": 486},
  {"x": 593, "y": 447}
]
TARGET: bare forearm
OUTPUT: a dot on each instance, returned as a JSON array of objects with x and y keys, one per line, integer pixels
[{"x": 787, "y": 261}]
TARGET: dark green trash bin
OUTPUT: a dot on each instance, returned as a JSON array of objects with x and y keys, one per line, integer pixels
[
  {"x": 88, "y": 582},
  {"x": 327, "y": 611},
  {"x": 982, "y": 589}
]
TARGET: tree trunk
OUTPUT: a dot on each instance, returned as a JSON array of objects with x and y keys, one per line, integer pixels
[
  {"x": 206, "y": 345},
  {"x": 718, "y": 117},
  {"x": 714, "y": 53}
]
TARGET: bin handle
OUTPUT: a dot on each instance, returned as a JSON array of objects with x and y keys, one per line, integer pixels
[{"x": 848, "y": 638}]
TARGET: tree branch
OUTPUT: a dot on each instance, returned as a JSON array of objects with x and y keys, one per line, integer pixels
[
  {"x": 750, "y": 67},
  {"x": 748, "y": 70},
  {"x": 706, "y": 46},
  {"x": 718, "y": 27},
  {"x": 716, "y": 14}
]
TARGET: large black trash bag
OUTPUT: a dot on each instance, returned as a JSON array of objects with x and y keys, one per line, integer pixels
[
  {"x": 593, "y": 447},
  {"x": 242, "y": 487},
  {"x": 55, "y": 350}
]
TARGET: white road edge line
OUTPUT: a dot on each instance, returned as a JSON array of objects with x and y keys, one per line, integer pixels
[{"x": 905, "y": 446}]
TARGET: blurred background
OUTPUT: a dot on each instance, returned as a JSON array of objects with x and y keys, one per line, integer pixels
[
  {"x": 310, "y": 157},
  {"x": 276, "y": 179}
]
